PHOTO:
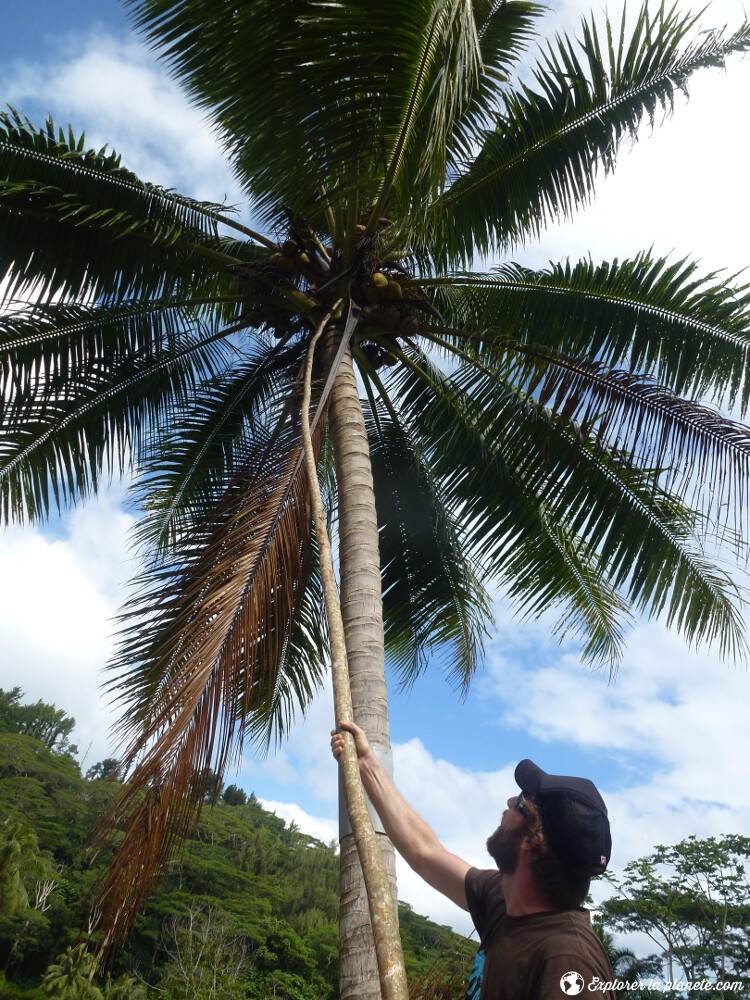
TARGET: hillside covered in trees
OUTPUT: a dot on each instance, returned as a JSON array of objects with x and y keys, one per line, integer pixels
[{"x": 247, "y": 910}]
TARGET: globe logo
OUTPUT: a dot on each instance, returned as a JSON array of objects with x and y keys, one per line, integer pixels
[{"x": 571, "y": 983}]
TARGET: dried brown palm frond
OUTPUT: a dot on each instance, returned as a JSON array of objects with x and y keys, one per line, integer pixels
[{"x": 212, "y": 645}]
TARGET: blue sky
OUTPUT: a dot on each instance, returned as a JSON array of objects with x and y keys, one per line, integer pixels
[{"x": 666, "y": 742}]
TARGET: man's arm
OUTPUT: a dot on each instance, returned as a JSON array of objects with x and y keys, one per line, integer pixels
[{"x": 414, "y": 839}]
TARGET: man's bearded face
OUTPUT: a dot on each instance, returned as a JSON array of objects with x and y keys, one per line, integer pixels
[{"x": 504, "y": 846}]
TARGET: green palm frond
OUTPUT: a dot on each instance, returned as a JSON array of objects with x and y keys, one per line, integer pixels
[
  {"x": 435, "y": 608},
  {"x": 649, "y": 547},
  {"x": 292, "y": 83},
  {"x": 75, "y": 223},
  {"x": 512, "y": 465},
  {"x": 548, "y": 568},
  {"x": 358, "y": 99},
  {"x": 217, "y": 644},
  {"x": 683, "y": 444},
  {"x": 51, "y": 344},
  {"x": 541, "y": 160},
  {"x": 504, "y": 30},
  {"x": 63, "y": 435},
  {"x": 690, "y": 331},
  {"x": 443, "y": 81},
  {"x": 504, "y": 511}
]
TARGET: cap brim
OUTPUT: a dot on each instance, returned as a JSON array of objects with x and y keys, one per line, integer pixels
[{"x": 529, "y": 777}]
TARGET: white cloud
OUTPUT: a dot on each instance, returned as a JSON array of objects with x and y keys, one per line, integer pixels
[
  {"x": 114, "y": 89},
  {"x": 673, "y": 724},
  {"x": 322, "y": 827},
  {"x": 463, "y": 807},
  {"x": 58, "y": 597}
]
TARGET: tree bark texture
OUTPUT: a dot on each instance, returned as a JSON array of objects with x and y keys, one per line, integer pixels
[{"x": 362, "y": 612}]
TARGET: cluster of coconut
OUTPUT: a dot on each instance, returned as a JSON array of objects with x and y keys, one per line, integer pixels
[
  {"x": 276, "y": 321},
  {"x": 295, "y": 257},
  {"x": 378, "y": 286},
  {"x": 389, "y": 313}
]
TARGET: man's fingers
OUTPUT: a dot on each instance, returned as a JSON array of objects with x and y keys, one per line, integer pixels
[
  {"x": 337, "y": 743},
  {"x": 337, "y": 739}
]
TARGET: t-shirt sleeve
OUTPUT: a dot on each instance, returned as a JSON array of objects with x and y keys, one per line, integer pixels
[
  {"x": 484, "y": 894},
  {"x": 571, "y": 975}
]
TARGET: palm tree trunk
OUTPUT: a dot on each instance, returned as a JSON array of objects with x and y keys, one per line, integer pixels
[
  {"x": 362, "y": 612},
  {"x": 381, "y": 905}
]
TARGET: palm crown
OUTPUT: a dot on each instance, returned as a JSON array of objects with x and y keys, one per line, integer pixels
[{"x": 540, "y": 429}]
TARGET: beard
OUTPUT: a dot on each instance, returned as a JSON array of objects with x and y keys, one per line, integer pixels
[{"x": 505, "y": 847}]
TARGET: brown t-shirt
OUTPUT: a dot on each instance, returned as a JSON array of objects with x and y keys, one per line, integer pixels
[{"x": 543, "y": 956}]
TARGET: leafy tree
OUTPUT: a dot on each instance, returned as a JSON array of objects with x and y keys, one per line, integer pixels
[
  {"x": 542, "y": 430},
  {"x": 437, "y": 961},
  {"x": 123, "y": 988},
  {"x": 44, "y": 722},
  {"x": 206, "y": 961},
  {"x": 233, "y": 796},
  {"x": 693, "y": 901},
  {"x": 108, "y": 769},
  {"x": 629, "y": 968},
  {"x": 271, "y": 888}
]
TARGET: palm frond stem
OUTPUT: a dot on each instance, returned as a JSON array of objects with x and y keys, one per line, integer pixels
[
  {"x": 406, "y": 124},
  {"x": 258, "y": 237},
  {"x": 466, "y": 281},
  {"x": 380, "y": 900}
]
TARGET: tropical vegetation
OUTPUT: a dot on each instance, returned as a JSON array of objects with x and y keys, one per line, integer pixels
[
  {"x": 248, "y": 909},
  {"x": 546, "y": 431}
]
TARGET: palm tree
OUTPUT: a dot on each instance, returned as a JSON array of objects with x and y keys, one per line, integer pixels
[
  {"x": 71, "y": 977},
  {"x": 20, "y": 863},
  {"x": 545, "y": 430}
]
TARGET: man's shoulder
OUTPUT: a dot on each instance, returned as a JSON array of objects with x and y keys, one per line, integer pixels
[{"x": 485, "y": 879}]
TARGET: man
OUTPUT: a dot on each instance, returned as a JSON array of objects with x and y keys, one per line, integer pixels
[{"x": 536, "y": 939}]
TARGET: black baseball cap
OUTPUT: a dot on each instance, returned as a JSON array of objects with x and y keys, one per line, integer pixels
[{"x": 574, "y": 817}]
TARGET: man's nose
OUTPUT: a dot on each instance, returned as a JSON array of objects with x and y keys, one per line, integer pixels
[{"x": 512, "y": 801}]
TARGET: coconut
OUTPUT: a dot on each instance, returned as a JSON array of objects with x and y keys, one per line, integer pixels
[
  {"x": 378, "y": 280},
  {"x": 302, "y": 260},
  {"x": 285, "y": 263},
  {"x": 390, "y": 318},
  {"x": 393, "y": 291},
  {"x": 289, "y": 247},
  {"x": 409, "y": 326}
]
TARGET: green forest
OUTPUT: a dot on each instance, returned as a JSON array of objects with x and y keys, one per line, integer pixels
[{"x": 248, "y": 909}]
